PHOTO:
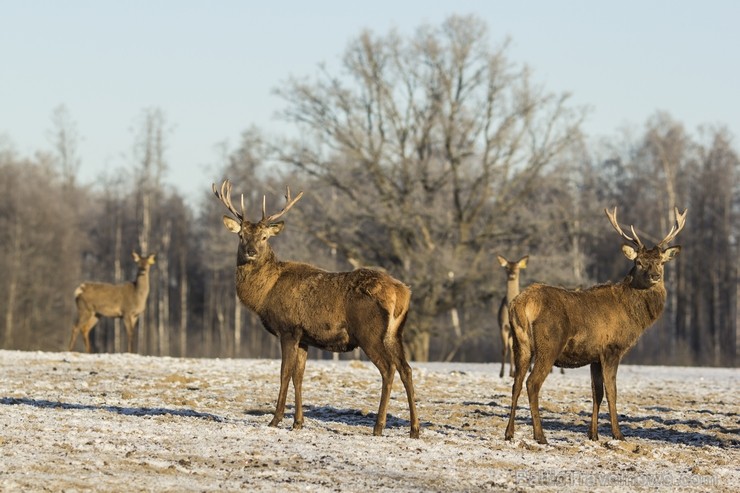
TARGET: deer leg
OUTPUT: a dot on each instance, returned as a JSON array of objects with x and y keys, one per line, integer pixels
[
  {"x": 84, "y": 316},
  {"x": 404, "y": 370},
  {"x": 289, "y": 353},
  {"x": 73, "y": 339},
  {"x": 610, "y": 385},
  {"x": 541, "y": 369},
  {"x": 597, "y": 394},
  {"x": 509, "y": 343},
  {"x": 129, "y": 322},
  {"x": 387, "y": 372},
  {"x": 522, "y": 355},
  {"x": 300, "y": 367},
  {"x": 504, "y": 349},
  {"x": 86, "y": 329}
]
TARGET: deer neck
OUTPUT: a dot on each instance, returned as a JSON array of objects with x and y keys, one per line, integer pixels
[
  {"x": 141, "y": 286},
  {"x": 255, "y": 280},
  {"x": 645, "y": 304},
  {"x": 512, "y": 289}
]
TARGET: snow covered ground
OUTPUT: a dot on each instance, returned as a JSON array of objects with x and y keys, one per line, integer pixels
[{"x": 122, "y": 422}]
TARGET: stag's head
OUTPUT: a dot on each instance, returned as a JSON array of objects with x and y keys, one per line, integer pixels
[
  {"x": 648, "y": 262},
  {"x": 253, "y": 245}
]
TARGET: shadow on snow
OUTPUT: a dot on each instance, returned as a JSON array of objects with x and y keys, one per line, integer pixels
[{"x": 125, "y": 411}]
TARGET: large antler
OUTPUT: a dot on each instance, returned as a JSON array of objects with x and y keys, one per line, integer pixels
[
  {"x": 225, "y": 198},
  {"x": 613, "y": 219},
  {"x": 288, "y": 204},
  {"x": 676, "y": 228}
]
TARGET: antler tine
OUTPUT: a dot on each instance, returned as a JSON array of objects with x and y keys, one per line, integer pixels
[
  {"x": 634, "y": 234},
  {"x": 613, "y": 220},
  {"x": 290, "y": 202},
  {"x": 676, "y": 228},
  {"x": 225, "y": 198}
]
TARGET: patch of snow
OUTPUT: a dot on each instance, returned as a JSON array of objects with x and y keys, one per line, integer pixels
[{"x": 78, "y": 422}]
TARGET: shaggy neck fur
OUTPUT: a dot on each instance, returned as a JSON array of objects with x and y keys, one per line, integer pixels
[{"x": 255, "y": 279}]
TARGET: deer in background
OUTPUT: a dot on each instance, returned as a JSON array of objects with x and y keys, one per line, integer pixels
[
  {"x": 98, "y": 299},
  {"x": 512, "y": 290},
  {"x": 595, "y": 326},
  {"x": 306, "y": 306}
]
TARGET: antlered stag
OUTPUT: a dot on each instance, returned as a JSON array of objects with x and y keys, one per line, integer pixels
[
  {"x": 512, "y": 290},
  {"x": 595, "y": 326},
  {"x": 99, "y": 299},
  {"x": 306, "y": 306}
]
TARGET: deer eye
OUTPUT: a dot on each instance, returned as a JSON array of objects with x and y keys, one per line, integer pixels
[{"x": 264, "y": 237}]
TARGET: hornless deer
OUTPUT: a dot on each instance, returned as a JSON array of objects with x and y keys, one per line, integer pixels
[
  {"x": 512, "y": 290},
  {"x": 595, "y": 326},
  {"x": 98, "y": 299},
  {"x": 306, "y": 306}
]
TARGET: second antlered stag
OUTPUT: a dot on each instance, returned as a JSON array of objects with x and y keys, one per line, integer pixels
[{"x": 595, "y": 326}]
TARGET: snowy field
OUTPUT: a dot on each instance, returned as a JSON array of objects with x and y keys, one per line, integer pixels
[{"x": 75, "y": 422}]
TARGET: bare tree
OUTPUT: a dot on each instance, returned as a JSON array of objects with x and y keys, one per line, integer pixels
[
  {"x": 441, "y": 130},
  {"x": 64, "y": 137}
]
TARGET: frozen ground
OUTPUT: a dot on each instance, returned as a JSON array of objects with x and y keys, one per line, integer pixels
[{"x": 74, "y": 422}]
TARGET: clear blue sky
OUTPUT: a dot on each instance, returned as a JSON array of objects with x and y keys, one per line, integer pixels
[{"x": 211, "y": 65}]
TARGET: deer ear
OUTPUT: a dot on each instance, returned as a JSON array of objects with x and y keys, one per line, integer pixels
[
  {"x": 502, "y": 260},
  {"x": 276, "y": 228},
  {"x": 232, "y": 224},
  {"x": 629, "y": 252},
  {"x": 523, "y": 262},
  {"x": 151, "y": 259},
  {"x": 670, "y": 253},
  {"x": 135, "y": 256}
]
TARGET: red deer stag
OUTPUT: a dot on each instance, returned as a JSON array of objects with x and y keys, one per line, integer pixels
[
  {"x": 512, "y": 290},
  {"x": 306, "y": 306},
  {"x": 595, "y": 326},
  {"x": 98, "y": 299}
]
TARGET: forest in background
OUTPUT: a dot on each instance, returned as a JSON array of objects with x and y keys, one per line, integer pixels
[{"x": 426, "y": 156}]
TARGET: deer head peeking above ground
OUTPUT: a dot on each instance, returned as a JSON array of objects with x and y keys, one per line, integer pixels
[
  {"x": 512, "y": 290},
  {"x": 306, "y": 306},
  {"x": 595, "y": 326},
  {"x": 127, "y": 301}
]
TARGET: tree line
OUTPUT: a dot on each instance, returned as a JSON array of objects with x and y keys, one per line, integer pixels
[{"x": 426, "y": 156}]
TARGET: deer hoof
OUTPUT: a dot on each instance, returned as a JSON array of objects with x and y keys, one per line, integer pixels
[
  {"x": 414, "y": 433},
  {"x": 297, "y": 425}
]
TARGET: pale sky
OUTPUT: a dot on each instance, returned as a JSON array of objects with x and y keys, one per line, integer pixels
[{"x": 211, "y": 66}]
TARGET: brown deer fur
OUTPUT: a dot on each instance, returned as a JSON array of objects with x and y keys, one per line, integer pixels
[
  {"x": 595, "y": 326},
  {"x": 306, "y": 306},
  {"x": 512, "y": 290},
  {"x": 127, "y": 301}
]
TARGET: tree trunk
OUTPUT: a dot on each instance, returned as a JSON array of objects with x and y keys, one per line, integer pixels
[
  {"x": 183, "y": 336},
  {"x": 13, "y": 284},
  {"x": 163, "y": 300}
]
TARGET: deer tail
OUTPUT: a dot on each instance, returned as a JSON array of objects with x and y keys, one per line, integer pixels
[
  {"x": 521, "y": 329},
  {"x": 80, "y": 289},
  {"x": 403, "y": 298}
]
